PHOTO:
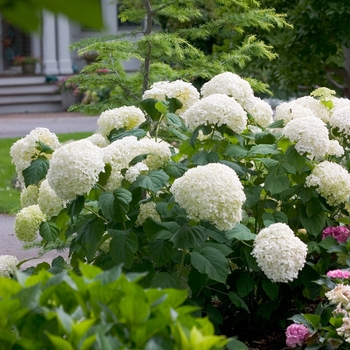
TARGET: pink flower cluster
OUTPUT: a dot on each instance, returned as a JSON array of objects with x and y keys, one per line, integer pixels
[
  {"x": 296, "y": 334},
  {"x": 338, "y": 274},
  {"x": 340, "y": 233}
]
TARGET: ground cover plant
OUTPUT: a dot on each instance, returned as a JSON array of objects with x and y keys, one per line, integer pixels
[
  {"x": 205, "y": 192},
  {"x": 10, "y": 196}
]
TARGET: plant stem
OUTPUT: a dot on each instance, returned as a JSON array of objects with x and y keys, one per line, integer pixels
[{"x": 182, "y": 261}]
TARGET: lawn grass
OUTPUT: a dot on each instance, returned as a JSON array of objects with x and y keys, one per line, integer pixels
[{"x": 9, "y": 196}]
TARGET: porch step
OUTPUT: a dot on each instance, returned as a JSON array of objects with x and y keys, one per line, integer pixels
[{"x": 20, "y": 94}]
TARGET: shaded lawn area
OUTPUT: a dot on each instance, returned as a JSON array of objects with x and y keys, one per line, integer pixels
[{"x": 9, "y": 195}]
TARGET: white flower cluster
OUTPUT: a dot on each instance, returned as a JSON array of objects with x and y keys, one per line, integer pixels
[
  {"x": 128, "y": 117},
  {"x": 8, "y": 265},
  {"x": 185, "y": 92},
  {"x": 279, "y": 253},
  {"x": 98, "y": 140},
  {"x": 260, "y": 110},
  {"x": 287, "y": 111},
  {"x": 134, "y": 171},
  {"x": 211, "y": 192},
  {"x": 75, "y": 168},
  {"x": 310, "y": 135},
  {"x": 340, "y": 120},
  {"x": 344, "y": 329},
  {"x": 48, "y": 201},
  {"x": 27, "y": 223},
  {"x": 158, "y": 152},
  {"x": 339, "y": 103},
  {"x": 229, "y": 84},
  {"x": 147, "y": 210},
  {"x": 29, "y": 196},
  {"x": 315, "y": 105},
  {"x": 335, "y": 149},
  {"x": 340, "y": 294},
  {"x": 24, "y": 150},
  {"x": 217, "y": 109},
  {"x": 332, "y": 182}
]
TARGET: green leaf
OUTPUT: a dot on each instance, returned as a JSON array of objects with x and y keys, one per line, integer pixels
[
  {"x": 252, "y": 195},
  {"x": 245, "y": 284},
  {"x": 65, "y": 319},
  {"x": 314, "y": 320},
  {"x": 235, "y": 151},
  {"x": 238, "y": 301},
  {"x": 49, "y": 231},
  {"x": 114, "y": 206},
  {"x": 161, "y": 107},
  {"x": 175, "y": 170},
  {"x": 234, "y": 344},
  {"x": 42, "y": 147},
  {"x": 154, "y": 181},
  {"x": 241, "y": 233},
  {"x": 236, "y": 167},
  {"x": 165, "y": 280},
  {"x": 154, "y": 229},
  {"x": 173, "y": 119},
  {"x": 265, "y": 137},
  {"x": 313, "y": 224},
  {"x": 148, "y": 105},
  {"x": 211, "y": 262},
  {"x": 138, "y": 159},
  {"x": 36, "y": 171},
  {"x": 270, "y": 288},
  {"x": 137, "y": 132},
  {"x": 276, "y": 124},
  {"x": 269, "y": 163},
  {"x": 206, "y": 129},
  {"x": 75, "y": 207},
  {"x": 328, "y": 243},
  {"x": 161, "y": 251},
  {"x": 104, "y": 176},
  {"x": 276, "y": 183},
  {"x": 204, "y": 157},
  {"x": 123, "y": 247},
  {"x": 263, "y": 150},
  {"x": 59, "y": 343},
  {"x": 295, "y": 159},
  {"x": 133, "y": 308},
  {"x": 174, "y": 104},
  {"x": 187, "y": 237}
]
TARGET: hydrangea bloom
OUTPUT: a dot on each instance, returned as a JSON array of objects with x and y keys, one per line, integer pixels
[
  {"x": 335, "y": 149},
  {"x": 29, "y": 196},
  {"x": 229, "y": 84},
  {"x": 75, "y": 168},
  {"x": 340, "y": 294},
  {"x": 338, "y": 274},
  {"x": 339, "y": 103},
  {"x": 158, "y": 152},
  {"x": 296, "y": 334},
  {"x": 279, "y": 253},
  {"x": 128, "y": 117},
  {"x": 310, "y": 135},
  {"x": 316, "y": 106},
  {"x": 48, "y": 201},
  {"x": 287, "y": 111},
  {"x": 133, "y": 172},
  {"x": 344, "y": 330},
  {"x": 147, "y": 210},
  {"x": 340, "y": 121},
  {"x": 27, "y": 223},
  {"x": 260, "y": 110},
  {"x": 98, "y": 140},
  {"x": 24, "y": 150},
  {"x": 332, "y": 182},
  {"x": 211, "y": 192},
  {"x": 217, "y": 109},
  {"x": 8, "y": 265},
  {"x": 186, "y": 93},
  {"x": 339, "y": 233}
]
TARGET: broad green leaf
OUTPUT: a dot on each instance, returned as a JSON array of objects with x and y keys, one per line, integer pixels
[
  {"x": 161, "y": 107},
  {"x": 204, "y": 157},
  {"x": 252, "y": 195},
  {"x": 206, "y": 129},
  {"x": 236, "y": 167},
  {"x": 234, "y": 344},
  {"x": 225, "y": 250},
  {"x": 187, "y": 237},
  {"x": 313, "y": 207},
  {"x": 148, "y": 105},
  {"x": 154, "y": 229},
  {"x": 313, "y": 224},
  {"x": 154, "y": 181},
  {"x": 49, "y": 231},
  {"x": 276, "y": 124},
  {"x": 265, "y": 137},
  {"x": 165, "y": 280},
  {"x": 42, "y": 147},
  {"x": 76, "y": 206},
  {"x": 159, "y": 343},
  {"x": 175, "y": 170},
  {"x": 174, "y": 104},
  {"x": 270, "y": 288},
  {"x": 241, "y": 233},
  {"x": 262, "y": 150},
  {"x": 238, "y": 301},
  {"x": 134, "y": 309},
  {"x": 161, "y": 251},
  {"x": 104, "y": 175},
  {"x": 328, "y": 243},
  {"x": 59, "y": 343},
  {"x": 65, "y": 319},
  {"x": 276, "y": 183},
  {"x": 138, "y": 159},
  {"x": 173, "y": 119},
  {"x": 269, "y": 163},
  {"x": 137, "y": 132},
  {"x": 211, "y": 262},
  {"x": 245, "y": 285},
  {"x": 235, "y": 151},
  {"x": 36, "y": 171},
  {"x": 295, "y": 159},
  {"x": 106, "y": 203},
  {"x": 114, "y": 206},
  {"x": 123, "y": 247}
]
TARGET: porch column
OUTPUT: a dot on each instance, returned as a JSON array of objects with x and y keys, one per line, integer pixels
[
  {"x": 49, "y": 44},
  {"x": 63, "y": 33},
  {"x": 109, "y": 16}
]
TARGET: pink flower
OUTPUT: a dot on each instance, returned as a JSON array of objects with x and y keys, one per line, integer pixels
[
  {"x": 340, "y": 233},
  {"x": 296, "y": 334},
  {"x": 338, "y": 274}
]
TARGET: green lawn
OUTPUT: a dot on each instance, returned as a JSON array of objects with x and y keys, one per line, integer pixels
[{"x": 9, "y": 196}]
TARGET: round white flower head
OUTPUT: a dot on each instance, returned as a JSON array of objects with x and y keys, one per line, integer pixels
[
  {"x": 335, "y": 149},
  {"x": 279, "y": 253},
  {"x": 332, "y": 182},
  {"x": 310, "y": 135},
  {"x": 134, "y": 171},
  {"x": 340, "y": 120},
  {"x": 339, "y": 103},
  {"x": 29, "y": 196},
  {"x": 98, "y": 140},
  {"x": 229, "y": 84},
  {"x": 158, "y": 152},
  {"x": 316, "y": 106},
  {"x": 147, "y": 210},
  {"x": 48, "y": 201},
  {"x": 8, "y": 265},
  {"x": 185, "y": 92},
  {"x": 128, "y": 117},
  {"x": 27, "y": 223},
  {"x": 75, "y": 168},
  {"x": 217, "y": 109},
  {"x": 340, "y": 294},
  {"x": 287, "y": 111},
  {"x": 211, "y": 192},
  {"x": 260, "y": 110},
  {"x": 24, "y": 150}
]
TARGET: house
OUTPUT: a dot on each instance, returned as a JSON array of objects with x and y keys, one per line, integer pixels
[{"x": 20, "y": 93}]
